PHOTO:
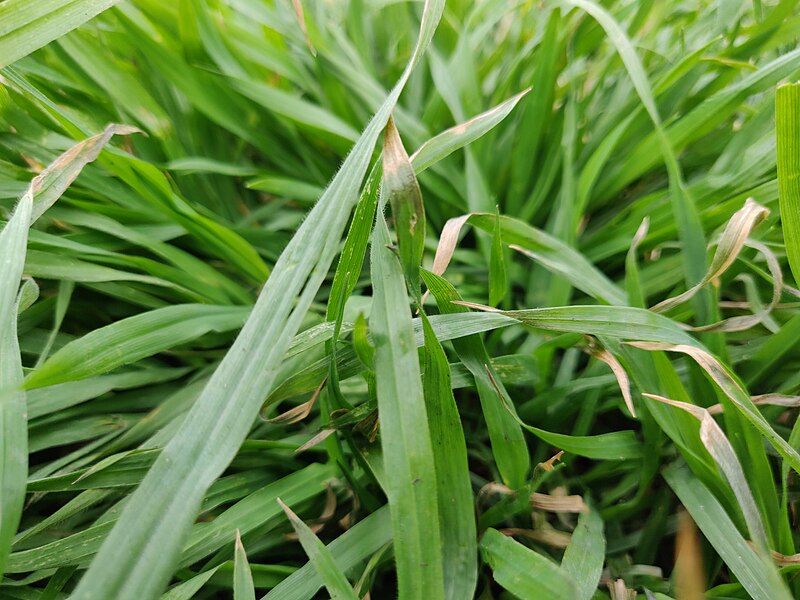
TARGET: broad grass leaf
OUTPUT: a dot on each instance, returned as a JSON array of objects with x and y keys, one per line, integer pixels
[
  {"x": 134, "y": 338},
  {"x": 523, "y": 572},
  {"x": 584, "y": 557}
]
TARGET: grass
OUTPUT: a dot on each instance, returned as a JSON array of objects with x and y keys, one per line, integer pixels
[{"x": 429, "y": 300}]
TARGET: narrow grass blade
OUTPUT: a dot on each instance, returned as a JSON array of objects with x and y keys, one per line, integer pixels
[
  {"x": 131, "y": 339},
  {"x": 584, "y": 557},
  {"x": 351, "y": 548},
  {"x": 523, "y": 572},
  {"x": 335, "y": 581},
  {"x": 188, "y": 589},
  {"x": 13, "y": 420},
  {"x": 447, "y": 142},
  {"x": 720, "y": 448},
  {"x": 509, "y": 448},
  {"x": 242, "y": 577},
  {"x": 405, "y": 437},
  {"x": 787, "y": 131},
  {"x": 497, "y": 267},
  {"x": 756, "y": 573},
  {"x": 454, "y": 489}
]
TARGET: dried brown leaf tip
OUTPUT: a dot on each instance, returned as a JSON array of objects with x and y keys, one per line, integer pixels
[
  {"x": 558, "y": 504},
  {"x": 690, "y": 580}
]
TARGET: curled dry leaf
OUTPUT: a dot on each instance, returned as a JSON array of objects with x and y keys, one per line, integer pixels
[
  {"x": 623, "y": 380},
  {"x": 558, "y": 504},
  {"x": 548, "y": 465},
  {"x": 721, "y": 450},
  {"x": 766, "y": 400},
  {"x": 729, "y": 246},
  {"x": 317, "y": 439},
  {"x": 550, "y": 537},
  {"x": 742, "y": 323},
  {"x": 299, "y": 412}
]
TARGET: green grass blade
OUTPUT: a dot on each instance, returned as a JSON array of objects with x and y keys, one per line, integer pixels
[
  {"x": 454, "y": 493},
  {"x": 138, "y": 556},
  {"x": 508, "y": 442},
  {"x": 27, "y": 25},
  {"x": 755, "y": 572},
  {"x": 584, "y": 557},
  {"x": 787, "y": 131},
  {"x": 13, "y": 421},
  {"x": 405, "y": 437},
  {"x": 447, "y": 142},
  {"x": 349, "y": 549},
  {"x": 42, "y": 193},
  {"x": 319, "y": 556},
  {"x": 131, "y": 339},
  {"x": 623, "y": 322},
  {"x": 242, "y": 577},
  {"x": 523, "y": 572}
]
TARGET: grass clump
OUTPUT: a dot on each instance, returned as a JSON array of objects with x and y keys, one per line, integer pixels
[{"x": 428, "y": 300}]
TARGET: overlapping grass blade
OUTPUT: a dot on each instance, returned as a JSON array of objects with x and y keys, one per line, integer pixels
[
  {"x": 508, "y": 442},
  {"x": 454, "y": 490},
  {"x": 523, "y": 572},
  {"x": 162, "y": 508},
  {"x": 242, "y": 577},
  {"x": 27, "y": 25},
  {"x": 584, "y": 557},
  {"x": 319, "y": 556},
  {"x": 405, "y": 437},
  {"x": 756, "y": 572}
]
